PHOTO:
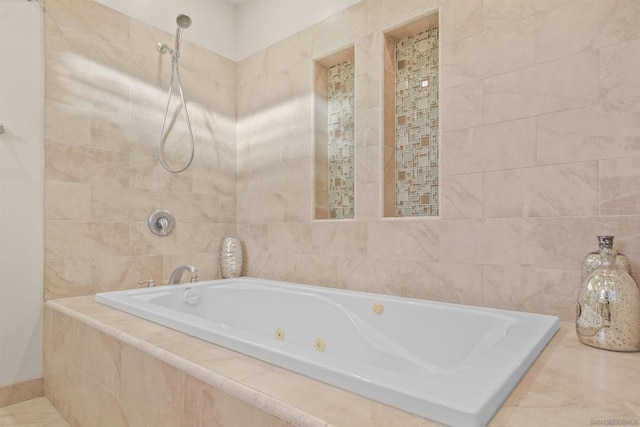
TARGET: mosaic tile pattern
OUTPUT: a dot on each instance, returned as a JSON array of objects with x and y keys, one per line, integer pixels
[
  {"x": 341, "y": 141},
  {"x": 417, "y": 181}
]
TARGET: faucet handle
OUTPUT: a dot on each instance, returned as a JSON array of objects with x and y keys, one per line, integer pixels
[
  {"x": 150, "y": 283},
  {"x": 194, "y": 278}
]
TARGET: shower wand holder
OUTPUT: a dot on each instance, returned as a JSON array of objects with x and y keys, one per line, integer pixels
[
  {"x": 161, "y": 222},
  {"x": 163, "y": 48}
]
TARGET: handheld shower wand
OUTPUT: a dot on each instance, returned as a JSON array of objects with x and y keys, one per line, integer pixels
[{"x": 183, "y": 22}]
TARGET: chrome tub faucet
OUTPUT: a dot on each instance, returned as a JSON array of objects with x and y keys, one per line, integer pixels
[{"x": 177, "y": 274}]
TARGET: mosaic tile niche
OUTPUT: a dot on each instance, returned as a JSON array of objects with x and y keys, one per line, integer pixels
[
  {"x": 340, "y": 141},
  {"x": 416, "y": 125}
]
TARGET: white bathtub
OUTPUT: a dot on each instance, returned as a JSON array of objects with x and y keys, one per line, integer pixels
[{"x": 451, "y": 363}]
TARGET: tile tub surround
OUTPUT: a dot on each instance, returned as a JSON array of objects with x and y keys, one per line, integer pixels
[
  {"x": 101, "y": 363},
  {"x": 559, "y": 108},
  {"x": 105, "y": 94},
  {"x": 555, "y": 113},
  {"x": 539, "y": 133}
]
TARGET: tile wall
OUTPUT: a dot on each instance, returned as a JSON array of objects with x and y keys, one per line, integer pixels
[
  {"x": 96, "y": 379},
  {"x": 104, "y": 102},
  {"x": 539, "y": 153}
]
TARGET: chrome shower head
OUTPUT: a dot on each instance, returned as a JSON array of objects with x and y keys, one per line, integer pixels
[{"x": 183, "y": 21}]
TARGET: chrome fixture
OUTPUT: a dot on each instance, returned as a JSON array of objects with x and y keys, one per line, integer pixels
[
  {"x": 1, "y": 128},
  {"x": 161, "y": 222},
  {"x": 177, "y": 274},
  {"x": 183, "y": 22},
  {"x": 150, "y": 283}
]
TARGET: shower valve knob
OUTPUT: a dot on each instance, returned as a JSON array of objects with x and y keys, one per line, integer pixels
[{"x": 161, "y": 222}]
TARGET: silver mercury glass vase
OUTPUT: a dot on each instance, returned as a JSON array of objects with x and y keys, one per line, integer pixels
[
  {"x": 231, "y": 257},
  {"x": 608, "y": 309},
  {"x": 592, "y": 261}
]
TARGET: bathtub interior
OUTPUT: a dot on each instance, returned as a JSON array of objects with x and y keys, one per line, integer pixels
[{"x": 413, "y": 343}]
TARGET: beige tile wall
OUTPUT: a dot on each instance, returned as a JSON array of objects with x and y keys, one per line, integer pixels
[
  {"x": 95, "y": 379},
  {"x": 539, "y": 153},
  {"x": 105, "y": 94}
]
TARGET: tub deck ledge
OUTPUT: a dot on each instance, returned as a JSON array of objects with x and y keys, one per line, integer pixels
[{"x": 569, "y": 383}]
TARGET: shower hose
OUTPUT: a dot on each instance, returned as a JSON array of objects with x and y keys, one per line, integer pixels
[{"x": 175, "y": 72}]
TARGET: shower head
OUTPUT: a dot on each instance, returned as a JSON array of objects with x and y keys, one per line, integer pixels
[{"x": 183, "y": 21}]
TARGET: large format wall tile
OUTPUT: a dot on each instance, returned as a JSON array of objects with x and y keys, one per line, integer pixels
[
  {"x": 461, "y": 106},
  {"x": 563, "y": 242},
  {"x": 508, "y": 241},
  {"x": 338, "y": 238},
  {"x": 71, "y": 239},
  {"x": 460, "y": 19},
  {"x": 74, "y": 163},
  {"x": 619, "y": 66},
  {"x": 539, "y": 132},
  {"x": 67, "y": 200},
  {"x": 501, "y": 12},
  {"x": 564, "y": 190},
  {"x": 578, "y": 26},
  {"x": 154, "y": 388},
  {"x": 539, "y": 103},
  {"x": 553, "y": 86},
  {"x": 417, "y": 240},
  {"x": 459, "y": 283},
  {"x": 104, "y": 102},
  {"x": 504, "y": 145},
  {"x": 67, "y": 277},
  {"x": 341, "y": 29},
  {"x": 116, "y": 203},
  {"x": 531, "y": 289},
  {"x": 462, "y": 196},
  {"x": 277, "y": 57},
  {"x": 207, "y": 406},
  {"x": 490, "y": 53},
  {"x": 385, "y": 14},
  {"x": 620, "y": 186},
  {"x": 82, "y": 276},
  {"x": 595, "y": 132},
  {"x": 67, "y": 124},
  {"x": 290, "y": 238}
]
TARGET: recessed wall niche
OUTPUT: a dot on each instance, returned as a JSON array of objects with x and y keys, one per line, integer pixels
[
  {"x": 411, "y": 137},
  {"x": 334, "y": 135}
]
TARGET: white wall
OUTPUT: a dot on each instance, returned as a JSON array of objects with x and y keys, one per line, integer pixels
[
  {"x": 262, "y": 23},
  {"x": 21, "y": 192},
  {"x": 230, "y": 30},
  {"x": 213, "y": 21}
]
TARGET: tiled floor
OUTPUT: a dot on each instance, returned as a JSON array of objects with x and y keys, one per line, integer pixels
[{"x": 36, "y": 412}]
